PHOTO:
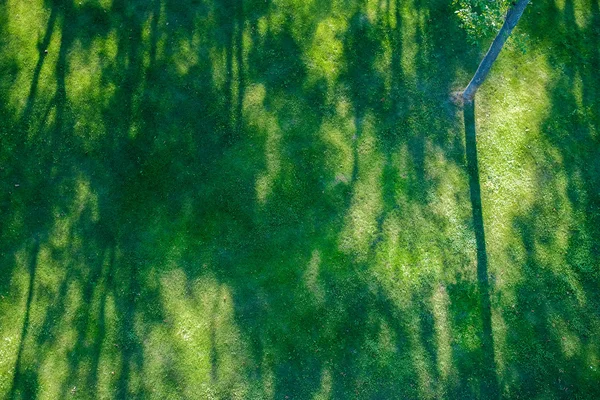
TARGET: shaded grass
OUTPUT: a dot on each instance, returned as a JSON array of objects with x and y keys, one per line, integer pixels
[{"x": 250, "y": 199}]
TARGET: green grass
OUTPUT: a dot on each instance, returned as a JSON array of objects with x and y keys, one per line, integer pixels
[{"x": 270, "y": 201}]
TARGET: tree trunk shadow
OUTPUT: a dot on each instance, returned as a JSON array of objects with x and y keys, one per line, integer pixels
[{"x": 489, "y": 389}]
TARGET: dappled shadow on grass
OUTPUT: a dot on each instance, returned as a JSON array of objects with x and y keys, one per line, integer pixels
[
  {"x": 556, "y": 234},
  {"x": 239, "y": 199},
  {"x": 166, "y": 174},
  {"x": 186, "y": 157}
]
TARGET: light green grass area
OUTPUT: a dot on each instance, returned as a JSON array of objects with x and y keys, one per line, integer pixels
[{"x": 270, "y": 199}]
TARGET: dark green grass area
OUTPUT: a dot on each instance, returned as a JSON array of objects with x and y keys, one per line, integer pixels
[{"x": 274, "y": 199}]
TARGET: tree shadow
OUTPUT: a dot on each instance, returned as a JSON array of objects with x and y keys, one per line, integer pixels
[
  {"x": 224, "y": 211},
  {"x": 489, "y": 380}
]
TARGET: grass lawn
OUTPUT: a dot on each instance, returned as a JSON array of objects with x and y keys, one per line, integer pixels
[{"x": 270, "y": 199}]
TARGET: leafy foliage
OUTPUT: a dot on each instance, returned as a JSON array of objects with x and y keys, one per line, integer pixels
[{"x": 481, "y": 18}]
